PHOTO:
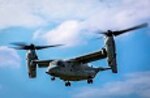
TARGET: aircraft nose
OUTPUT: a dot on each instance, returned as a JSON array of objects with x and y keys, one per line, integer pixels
[{"x": 50, "y": 71}]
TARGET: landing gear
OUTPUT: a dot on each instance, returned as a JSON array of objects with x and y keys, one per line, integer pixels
[
  {"x": 52, "y": 78},
  {"x": 67, "y": 83},
  {"x": 89, "y": 81}
]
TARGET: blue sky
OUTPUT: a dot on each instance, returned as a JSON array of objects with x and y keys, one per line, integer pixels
[{"x": 73, "y": 22}]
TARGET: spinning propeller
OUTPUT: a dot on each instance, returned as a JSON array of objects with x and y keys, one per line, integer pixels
[
  {"x": 110, "y": 33},
  {"x": 24, "y": 46}
]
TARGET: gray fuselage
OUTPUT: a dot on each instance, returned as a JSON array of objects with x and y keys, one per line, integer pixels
[{"x": 69, "y": 71}]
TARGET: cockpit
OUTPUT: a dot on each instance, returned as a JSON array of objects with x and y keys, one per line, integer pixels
[
  {"x": 60, "y": 63},
  {"x": 56, "y": 64}
]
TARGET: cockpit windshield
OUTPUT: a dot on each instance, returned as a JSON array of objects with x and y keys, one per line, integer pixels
[
  {"x": 52, "y": 65},
  {"x": 60, "y": 63}
]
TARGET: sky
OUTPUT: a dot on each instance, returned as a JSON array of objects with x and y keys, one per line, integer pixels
[{"x": 74, "y": 23}]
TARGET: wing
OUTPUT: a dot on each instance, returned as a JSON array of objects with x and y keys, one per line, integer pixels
[
  {"x": 90, "y": 57},
  {"x": 42, "y": 63}
]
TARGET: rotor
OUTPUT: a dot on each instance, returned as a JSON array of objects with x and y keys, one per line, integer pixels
[
  {"x": 110, "y": 33},
  {"x": 25, "y": 46}
]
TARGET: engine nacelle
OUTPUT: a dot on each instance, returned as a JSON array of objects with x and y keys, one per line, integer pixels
[
  {"x": 112, "y": 63},
  {"x": 111, "y": 53},
  {"x": 31, "y": 69},
  {"x": 31, "y": 55}
]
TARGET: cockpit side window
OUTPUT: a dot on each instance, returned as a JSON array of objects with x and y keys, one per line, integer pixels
[{"x": 61, "y": 64}]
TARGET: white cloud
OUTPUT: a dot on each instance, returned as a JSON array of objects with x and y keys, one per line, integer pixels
[
  {"x": 9, "y": 58},
  {"x": 120, "y": 14},
  {"x": 70, "y": 33},
  {"x": 137, "y": 84},
  {"x": 36, "y": 13},
  {"x": 16, "y": 13},
  {"x": 99, "y": 13},
  {"x": 96, "y": 16},
  {"x": 66, "y": 33}
]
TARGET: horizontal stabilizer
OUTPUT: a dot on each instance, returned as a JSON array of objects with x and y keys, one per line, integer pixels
[{"x": 103, "y": 69}]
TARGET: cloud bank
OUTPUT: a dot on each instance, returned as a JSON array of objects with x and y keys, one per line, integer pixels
[
  {"x": 9, "y": 58},
  {"x": 137, "y": 84},
  {"x": 97, "y": 16},
  {"x": 73, "y": 16}
]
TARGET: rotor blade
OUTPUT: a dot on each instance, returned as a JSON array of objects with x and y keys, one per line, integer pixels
[
  {"x": 116, "y": 33},
  {"x": 97, "y": 38},
  {"x": 48, "y": 46},
  {"x": 23, "y": 48},
  {"x": 100, "y": 32},
  {"x": 18, "y": 48},
  {"x": 19, "y": 44},
  {"x": 31, "y": 46}
]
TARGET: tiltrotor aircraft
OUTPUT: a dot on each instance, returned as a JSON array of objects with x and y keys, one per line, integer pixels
[{"x": 75, "y": 69}]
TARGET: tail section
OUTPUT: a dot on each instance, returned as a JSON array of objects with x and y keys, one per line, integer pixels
[{"x": 103, "y": 69}]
